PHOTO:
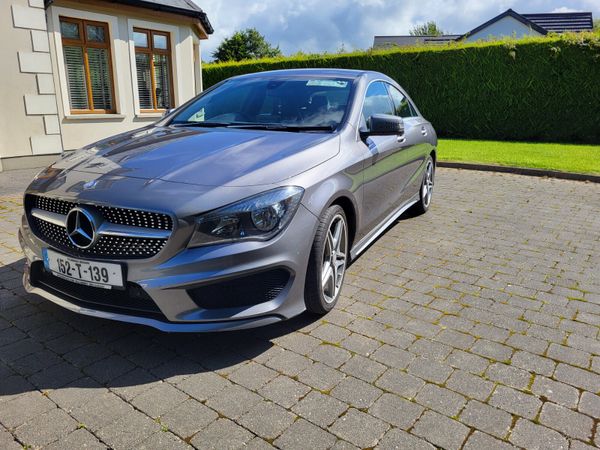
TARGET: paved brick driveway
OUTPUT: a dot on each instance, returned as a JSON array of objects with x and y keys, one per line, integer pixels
[{"x": 475, "y": 326}]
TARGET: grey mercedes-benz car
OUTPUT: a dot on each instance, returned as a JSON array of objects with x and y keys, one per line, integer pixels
[{"x": 242, "y": 207}]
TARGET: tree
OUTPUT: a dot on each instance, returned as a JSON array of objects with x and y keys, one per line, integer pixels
[
  {"x": 427, "y": 29},
  {"x": 597, "y": 25},
  {"x": 245, "y": 44}
]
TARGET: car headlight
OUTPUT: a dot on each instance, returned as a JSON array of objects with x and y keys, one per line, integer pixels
[{"x": 259, "y": 217}]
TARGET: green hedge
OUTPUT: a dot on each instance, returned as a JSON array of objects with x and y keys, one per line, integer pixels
[{"x": 537, "y": 89}]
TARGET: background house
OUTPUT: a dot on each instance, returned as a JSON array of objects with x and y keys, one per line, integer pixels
[
  {"x": 507, "y": 24},
  {"x": 78, "y": 71}
]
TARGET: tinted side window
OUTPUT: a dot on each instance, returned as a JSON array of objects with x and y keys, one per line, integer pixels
[
  {"x": 402, "y": 106},
  {"x": 377, "y": 101}
]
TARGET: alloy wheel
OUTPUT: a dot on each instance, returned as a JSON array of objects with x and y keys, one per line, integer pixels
[
  {"x": 334, "y": 258},
  {"x": 427, "y": 188}
]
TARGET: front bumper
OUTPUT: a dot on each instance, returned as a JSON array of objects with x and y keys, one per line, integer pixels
[{"x": 171, "y": 285}]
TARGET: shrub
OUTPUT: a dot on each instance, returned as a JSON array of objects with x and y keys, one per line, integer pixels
[{"x": 536, "y": 89}]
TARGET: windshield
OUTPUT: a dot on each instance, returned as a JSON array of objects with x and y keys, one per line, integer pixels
[{"x": 281, "y": 102}]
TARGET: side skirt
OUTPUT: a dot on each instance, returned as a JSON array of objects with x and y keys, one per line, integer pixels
[{"x": 379, "y": 229}]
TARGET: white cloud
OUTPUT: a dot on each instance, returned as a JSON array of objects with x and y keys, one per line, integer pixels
[
  {"x": 324, "y": 25},
  {"x": 565, "y": 9}
]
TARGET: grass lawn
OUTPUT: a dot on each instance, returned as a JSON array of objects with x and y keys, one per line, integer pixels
[{"x": 563, "y": 157}]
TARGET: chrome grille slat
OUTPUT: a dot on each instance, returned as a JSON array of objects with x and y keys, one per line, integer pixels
[{"x": 152, "y": 229}]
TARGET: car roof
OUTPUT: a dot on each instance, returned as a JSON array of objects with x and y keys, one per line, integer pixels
[{"x": 346, "y": 73}]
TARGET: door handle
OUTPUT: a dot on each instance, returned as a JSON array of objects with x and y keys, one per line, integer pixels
[{"x": 424, "y": 130}]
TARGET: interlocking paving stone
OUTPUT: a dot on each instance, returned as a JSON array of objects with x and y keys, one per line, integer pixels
[
  {"x": 569, "y": 355},
  {"x": 203, "y": 385},
  {"x": 470, "y": 385},
  {"x": 590, "y": 404},
  {"x": 533, "y": 363},
  {"x": 7, "y": 441},
  {"x": 467, "y": 361},
  {"x": 188, "y": 418},
  {"x": 440, "y": 399},
  {"x": 441, "y": 430},
  {"x": 234, "y": 401},
  {"x": 45, "y": 428},
  {"x": 320, "y": 376},
  {"x": 509, "y": 375},
  {"x": 23, "y": 408},
  {"x": 479, "y": 440},
  {"x": 515, "y": 402},
  {"x": 529, "y": 435},
  {"x": 284, "y": 391},
  {"x": 164, "y": 441},
  {"x": 486, "y": 418},
  {"x": 429, "y": 370},
  {"x": 330, "y": 355},
  {"x": 253, "y": 375},
  {"x": 493, "y": 350},
  {"x": 392, "y": 356},
  {"x": 100, "y": 409},
  {"x": 360, "y": 344},
  {"x": 159, "y": 400},
  {"x": 396, "y": 439},
  {"x": 128, "y": 430},
  {"x": 569, "y": 422},
  {"x": 577, "y": 377},
  {"x": 560, "y": 393},
  {"x": 302, "y": 434},
  {"x": 396, "y": 411},
  {"x": 356, "y": 392},
  {"x": 222, "y": 434},
  {"x": 359, "y": 428},
  {"x": 320, "y": 409},
  {"x": 80, "y": 439},
  {"x": 500, "y": 311},
  {"x": 267, "y": 420},
  {"x": 363, "y": 368}
]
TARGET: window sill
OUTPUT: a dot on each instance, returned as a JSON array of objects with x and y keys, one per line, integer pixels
[
  {"x": 149, "y": 115},
  {"x": 95, "y": 117}
]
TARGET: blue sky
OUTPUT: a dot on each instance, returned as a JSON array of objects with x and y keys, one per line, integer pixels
[{"x": 326, "y": 25}]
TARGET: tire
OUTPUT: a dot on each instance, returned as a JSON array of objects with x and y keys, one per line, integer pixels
[
  {"x": 323, "y": 283},
  {"x": 426, "y": 188}
]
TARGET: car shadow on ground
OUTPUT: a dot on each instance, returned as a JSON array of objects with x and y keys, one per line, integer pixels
[{"x": 44, "y": 346}]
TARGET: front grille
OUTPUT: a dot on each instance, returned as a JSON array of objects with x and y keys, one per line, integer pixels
[
  {"x": 120, "y": 216},
  {"x": 240, "y": 292},
  {"x": 107, "y": 246},
  {"x": 132, "y": 300}
]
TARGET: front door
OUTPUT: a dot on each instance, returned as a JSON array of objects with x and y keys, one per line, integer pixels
[{"x": 387, "y": 174}]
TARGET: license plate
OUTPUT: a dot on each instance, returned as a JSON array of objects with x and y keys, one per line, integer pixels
[{"x": 90, "y": 273}]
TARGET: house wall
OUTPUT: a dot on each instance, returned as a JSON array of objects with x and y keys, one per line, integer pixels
[
  {"x": 36, "y": 124},
  {"x": 505, "y": 27},
  {"x": 82, "y": 129},
  {"x": 29, "y": 125}
]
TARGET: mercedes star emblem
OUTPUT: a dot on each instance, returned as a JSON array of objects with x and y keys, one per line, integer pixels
[{"x": 81, "y": 228}]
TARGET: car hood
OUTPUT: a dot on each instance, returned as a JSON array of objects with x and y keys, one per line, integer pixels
[{"x": 205, "y": 157}]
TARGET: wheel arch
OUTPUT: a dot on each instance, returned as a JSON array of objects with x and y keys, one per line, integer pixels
[{"x": 349, "y": 208}]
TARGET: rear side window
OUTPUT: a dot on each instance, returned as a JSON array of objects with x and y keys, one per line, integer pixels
[
  {"x": 402, "y": 106},
  {"x": 377, "y": 101}
]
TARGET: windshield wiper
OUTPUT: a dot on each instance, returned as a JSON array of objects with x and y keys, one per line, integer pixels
[
  {"x": 257, "y": 126},
  {"x": 281, "y": 127},
  {"x": 201, "y": 124}
]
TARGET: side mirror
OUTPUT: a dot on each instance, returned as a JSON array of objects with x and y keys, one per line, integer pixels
[
  {"x": 168, "y": 111},
  {"x": 384, "y": 125}
]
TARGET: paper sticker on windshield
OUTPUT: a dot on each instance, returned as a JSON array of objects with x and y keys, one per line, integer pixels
[{"x": 328, "y": 83}]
